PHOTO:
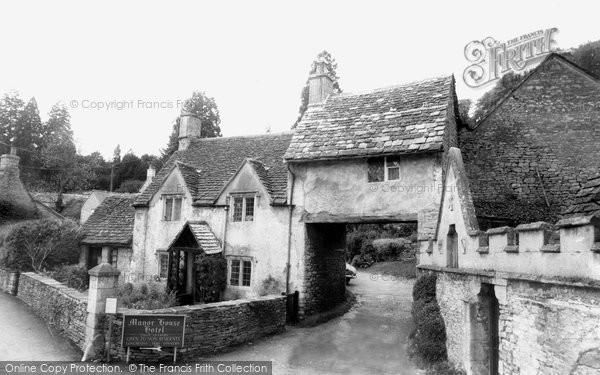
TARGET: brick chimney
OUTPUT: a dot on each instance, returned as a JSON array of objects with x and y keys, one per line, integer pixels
[
  {"x": 320, "y": 84},
  {"x": 9, "y": 163},
  {"x": 190, "y": 127}
]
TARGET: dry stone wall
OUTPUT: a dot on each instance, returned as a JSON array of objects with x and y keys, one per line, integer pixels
[
  {"x": 210, "y": 328},
  {"x": 61, "y": 306}
]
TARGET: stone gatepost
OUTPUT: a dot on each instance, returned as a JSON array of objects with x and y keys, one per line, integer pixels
[{"x": 103, "y": 284}]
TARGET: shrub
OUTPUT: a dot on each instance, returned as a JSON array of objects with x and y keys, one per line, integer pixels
[
  {"x": 430, "y": 335},
  {"x": 269, "y": 286},
  {"x": 145, "y": 296},
  {"x": 443, "y": 368},
  {"x": 73, "y": 275},
  {"x": 11, "y": 212},
  {"x": 39, "y": 244},
  {"x": 388, "y": 248},
  {"x": 424, "y": 288},
  {"x": 212, "y": 277}
]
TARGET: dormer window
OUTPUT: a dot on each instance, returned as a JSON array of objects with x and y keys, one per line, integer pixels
[
  {"x": 172, "y": 208},
  {"x": 243, "y": 208},
  {"x": 383, "y": 169}
]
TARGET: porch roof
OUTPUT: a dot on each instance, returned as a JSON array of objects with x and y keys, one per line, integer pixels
[{"x": 201, "y": 233}]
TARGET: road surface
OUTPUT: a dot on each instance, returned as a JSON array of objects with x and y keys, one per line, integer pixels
[
  {"x": 25, "y": 337},
  {"x": 369, "y": 339}
]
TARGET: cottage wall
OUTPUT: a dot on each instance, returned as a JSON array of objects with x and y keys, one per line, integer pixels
[{"x": 339, "y": 191}]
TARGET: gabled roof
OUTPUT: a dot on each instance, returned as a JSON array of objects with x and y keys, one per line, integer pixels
[
  {"x": 191, "y": 176},
  {"x": 587, "y": 201},
  {"x": 218, "y": 159},
  {"x": 266, "y": 179},
  {"x": 407, "y": 118},
  {"x": 547, "y": 59},
  {"x": 202, "y": 234},
  {"x": 111, "y": 223}
]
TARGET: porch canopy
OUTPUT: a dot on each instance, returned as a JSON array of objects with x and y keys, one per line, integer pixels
[{"x": 194, "y": 239}]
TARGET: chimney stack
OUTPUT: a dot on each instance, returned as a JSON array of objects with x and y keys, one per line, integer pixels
[
  {"x": 320, "y": 84},
  {"x": 190, "y": 127},
  {"x": 10, "y": 162},
  {"x": 150, "y": 173}
]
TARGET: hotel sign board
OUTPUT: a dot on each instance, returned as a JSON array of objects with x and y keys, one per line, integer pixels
[{"x": 153, "y": 331}]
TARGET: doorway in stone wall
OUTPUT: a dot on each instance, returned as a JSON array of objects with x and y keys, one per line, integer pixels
[
  {"x": 483, "y": 326},
  {"x": 452, "y": 247}
]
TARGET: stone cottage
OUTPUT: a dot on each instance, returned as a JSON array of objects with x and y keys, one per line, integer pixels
[
  {"x": 226, "y": 195},
  {"x": 108, "y": 234},
  {"x": 276, "y": 205}
]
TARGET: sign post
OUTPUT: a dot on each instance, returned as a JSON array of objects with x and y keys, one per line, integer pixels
[
  {"x": 153, "y": 332},
  {"x": 110, "y": 309}
]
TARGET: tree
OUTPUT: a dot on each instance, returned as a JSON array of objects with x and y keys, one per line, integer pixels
[
  {"x": 117, "y": 154},
  {"x": 28, "y": 137},
  {"x": 464, "y": 105},
  {"x": 58, "y": 126},
  {"x": 206, "y": 109},
  {"x": 331, "y": 66},
  {"x": 489, "y": 100},
  {"x": 588, "y": 57},
  {"x": 11, "y": 110}
]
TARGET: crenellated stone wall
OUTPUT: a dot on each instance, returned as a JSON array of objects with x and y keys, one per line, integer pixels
[{"x": 569, "y": 249}]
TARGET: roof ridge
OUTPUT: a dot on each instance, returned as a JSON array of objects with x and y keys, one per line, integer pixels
[
  {"x": 391, "y": 87},
  {"x": 209, "y": 139}
]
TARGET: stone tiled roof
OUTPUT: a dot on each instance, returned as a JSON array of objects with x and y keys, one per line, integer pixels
[
  {"x": 205, "y": 237},
  {"x": 587, "y": 201},
  {"x": 209, "y": 163},
  {"x": 402, "y": 119},
  {"x": 271, "y": 181},
  {"x": 111, "y": 223},
  {"x": 191, "y": 176}
]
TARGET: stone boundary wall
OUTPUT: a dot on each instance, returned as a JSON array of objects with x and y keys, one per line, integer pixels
[
  {"x": 544, "y": 328},
  {"x": 62, "y": 307},
  {"x": 9, "y": 281},
  {"x": 209, "y": 328},
  {"x": 570, "y": 249}
]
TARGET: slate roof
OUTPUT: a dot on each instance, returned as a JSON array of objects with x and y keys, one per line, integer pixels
[
  {"x": 209, "y": 163},
  {"x": 407, "y": 118},
  {"x": 587, "y": 200},
  {"x": 111, "y": 223}
]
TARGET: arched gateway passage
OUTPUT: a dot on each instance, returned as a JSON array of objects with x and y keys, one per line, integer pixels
[{"x": 325, "y": 259}]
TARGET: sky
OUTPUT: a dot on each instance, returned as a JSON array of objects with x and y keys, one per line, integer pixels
[{"x": 123, "y": 68}]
